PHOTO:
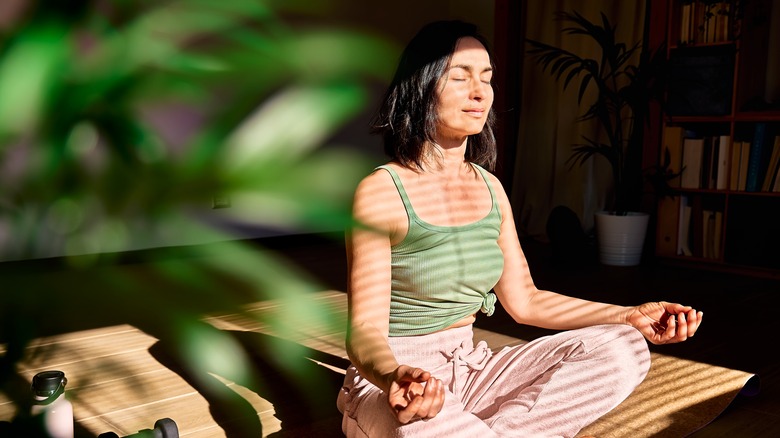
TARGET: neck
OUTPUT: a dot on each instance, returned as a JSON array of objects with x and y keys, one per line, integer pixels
[{"x": 447, "y": 159}]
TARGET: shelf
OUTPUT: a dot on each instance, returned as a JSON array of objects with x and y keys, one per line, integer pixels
[
  {"x": 740, "y": 116},
  {"x": 700, "y": 45},
  {"x": 722, "y": 127},
  {"x": 754, "y": 194},
  {"x": 757, "y": 116},
  {"x": 719, "y": 266},
  {"x": 727, "y": 192},
  {"x": 699, "y": 119}
]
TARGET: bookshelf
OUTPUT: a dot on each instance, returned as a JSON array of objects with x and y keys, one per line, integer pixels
[{"x": 721, "y": 127}]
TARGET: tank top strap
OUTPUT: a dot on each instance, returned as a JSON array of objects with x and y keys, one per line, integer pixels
[
  {"x": 492, "y": 191},
  {"x": 400, "y": 187}
]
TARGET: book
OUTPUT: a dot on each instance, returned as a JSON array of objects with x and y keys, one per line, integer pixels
[
  {"x": 699, "y": 22},
  {"x": 743, "y": 165},
  {"x": 736, "y": 156},
  {"x": 693, "y": 153},
  {"x": 666, "y": 236},
  {"x": 722, "y": 163},
  {"x": 673, "y": 145},
  {"x": 776, "y": 184},
  {"x": 708, "y": 234},
  {"x": 712, "y": 230},
  {"x": 709, "y": 22},
  {"x": 696, "y": 231},
  {"x": 685, "y": 23},
  {"x": 705, "y": 182},
  {"x": 756, "y": 160},
  {"x": 722, "y": 21},
  {"x": 684, "y": 227},
  {"x": 771, "y": 171},
  {"x": 718, "y": 234}
]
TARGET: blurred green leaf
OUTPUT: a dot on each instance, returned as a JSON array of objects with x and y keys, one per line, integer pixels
[{"x": 119, "y": 121}]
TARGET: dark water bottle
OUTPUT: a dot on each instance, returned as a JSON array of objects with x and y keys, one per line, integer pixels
[{"x": 49, "y": 401}]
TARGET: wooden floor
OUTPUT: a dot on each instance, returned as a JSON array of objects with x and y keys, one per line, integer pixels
[
  {"x": 121, "y": 380},
  {"x": 740, "y": 323}
]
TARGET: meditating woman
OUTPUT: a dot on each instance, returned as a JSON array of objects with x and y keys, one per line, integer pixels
[{"x": 437, "y": 245}]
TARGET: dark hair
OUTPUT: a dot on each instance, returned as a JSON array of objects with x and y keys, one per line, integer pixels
[{"x": 407, "y": 116}]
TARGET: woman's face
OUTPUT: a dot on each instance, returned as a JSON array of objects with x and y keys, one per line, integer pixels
[{"x": 465, "y": 94}]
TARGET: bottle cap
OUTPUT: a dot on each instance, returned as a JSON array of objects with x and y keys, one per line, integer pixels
[{"x": 49, "y": 385}]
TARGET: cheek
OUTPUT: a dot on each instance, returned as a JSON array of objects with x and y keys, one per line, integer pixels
[
  {"x": 489, "y": 95},
  {"x": 446, "y": 105},
  {"x": 448, "y": 96},
  {"x": 452, "y": 99}
]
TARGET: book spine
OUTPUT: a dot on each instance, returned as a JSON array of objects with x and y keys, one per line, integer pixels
[
  {"x": 668, "y": 217},
  {"x": 722, "y": 164},
  {"x": 692, "y": 156},
  {"x": 754, "y": 160},
  {"x": 736, "y": 153}
]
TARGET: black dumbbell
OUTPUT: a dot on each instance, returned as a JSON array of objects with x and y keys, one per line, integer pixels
[{"x": 163, "y": 428}]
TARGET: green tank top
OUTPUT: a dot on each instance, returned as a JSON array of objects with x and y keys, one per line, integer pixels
[{"x": 440, "y": 275}]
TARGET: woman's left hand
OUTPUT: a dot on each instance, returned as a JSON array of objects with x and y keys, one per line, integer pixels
[{"x": 665, "y": 323}]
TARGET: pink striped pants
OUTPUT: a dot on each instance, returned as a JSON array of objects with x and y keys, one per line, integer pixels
[{"x": 550, "y": 387}]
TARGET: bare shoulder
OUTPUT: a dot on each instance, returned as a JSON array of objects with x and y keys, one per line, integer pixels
[
  {"x": 377, "y": 186},
  {"x": 377, "y": 201}
]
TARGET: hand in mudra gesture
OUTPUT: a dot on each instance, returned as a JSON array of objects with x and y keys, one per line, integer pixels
[
  {"x": 665, "y": 323},
  {"x": 414, "y": 394}
]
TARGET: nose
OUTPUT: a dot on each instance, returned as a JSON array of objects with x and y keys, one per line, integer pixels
[{"x": 480, "y": 90}]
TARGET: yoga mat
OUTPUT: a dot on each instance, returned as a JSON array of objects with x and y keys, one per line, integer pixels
[{"x": 677, "y": 398}]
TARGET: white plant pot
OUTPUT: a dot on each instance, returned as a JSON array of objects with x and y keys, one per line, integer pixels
[{"x": 621, "y": 238}]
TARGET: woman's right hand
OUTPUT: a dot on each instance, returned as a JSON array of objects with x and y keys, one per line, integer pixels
[{"x": 414, "y": 394}]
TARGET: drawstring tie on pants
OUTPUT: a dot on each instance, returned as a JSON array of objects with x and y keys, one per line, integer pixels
[{"x": 475, "y": 360}]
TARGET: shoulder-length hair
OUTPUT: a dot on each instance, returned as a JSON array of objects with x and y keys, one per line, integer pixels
[{"x": 407, "y": 115}]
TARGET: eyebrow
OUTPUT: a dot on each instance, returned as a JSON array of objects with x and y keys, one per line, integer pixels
[{"x": 470, "y": 68}]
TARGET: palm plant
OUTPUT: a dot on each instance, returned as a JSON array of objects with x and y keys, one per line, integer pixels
[{"x": 625, "y": 79}]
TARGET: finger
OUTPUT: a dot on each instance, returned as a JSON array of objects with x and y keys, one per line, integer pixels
[
  {"x": 397, "y": 401},
  {"x": 675, "y": 308},
  {"x": 671, "y": 329},
  {"x": 438, "y": 401},
  {"x": 431, "y": 388},
  {"x": 694, "y": 320},
  {"x": 415, "y": 375},
  {"x": 682, "y": 327},
  {"x": 405, "y": 415}
]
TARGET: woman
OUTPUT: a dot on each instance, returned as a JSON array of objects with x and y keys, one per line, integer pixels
[{"x": 438, "y": 235}]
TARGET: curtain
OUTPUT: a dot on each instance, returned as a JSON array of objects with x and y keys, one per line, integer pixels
[{"x": 548, "y": 126}]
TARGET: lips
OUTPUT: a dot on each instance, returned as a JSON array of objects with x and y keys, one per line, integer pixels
[{"x": 476, "y": 112}]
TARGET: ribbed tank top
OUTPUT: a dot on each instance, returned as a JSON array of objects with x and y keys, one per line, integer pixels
[{"x": 442, "y": 274}]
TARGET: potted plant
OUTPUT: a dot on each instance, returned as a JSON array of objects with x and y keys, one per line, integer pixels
[{"x": 625, "y": 80}]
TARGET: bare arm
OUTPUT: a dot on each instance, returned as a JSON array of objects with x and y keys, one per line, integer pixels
[
  {"x": 368, "y": 258},
  {"x": 659, "y": 322},
  {"x": 411, "y": 392}
]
